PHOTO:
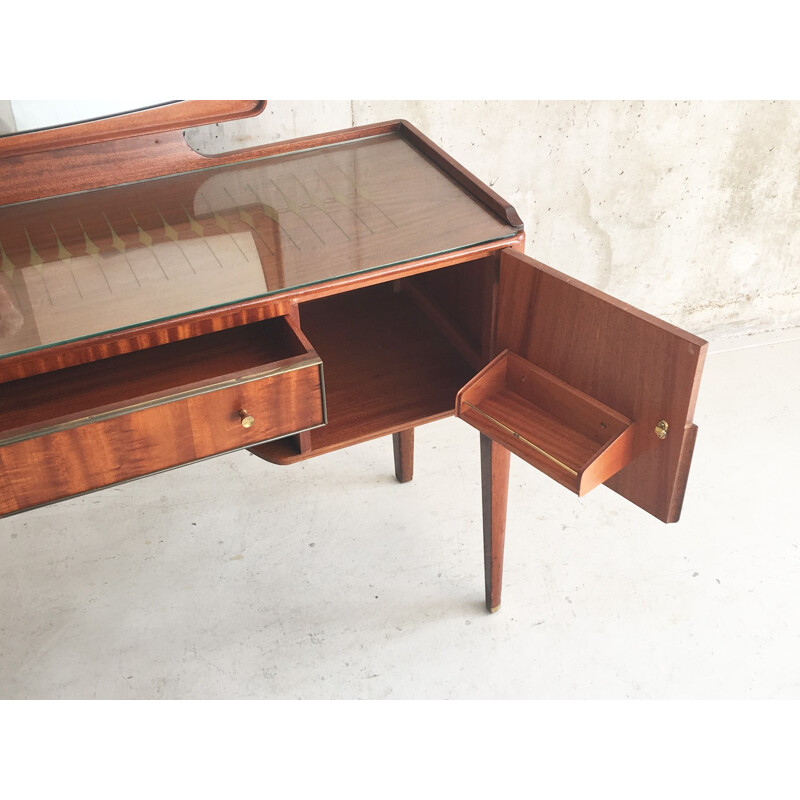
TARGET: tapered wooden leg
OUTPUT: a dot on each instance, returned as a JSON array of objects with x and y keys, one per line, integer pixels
[
  {"x": 494, "y": 482},
  {"x": 404, "y": 455}
]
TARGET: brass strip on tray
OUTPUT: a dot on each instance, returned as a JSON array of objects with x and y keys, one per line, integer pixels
[{"x": 522, "y": 439}]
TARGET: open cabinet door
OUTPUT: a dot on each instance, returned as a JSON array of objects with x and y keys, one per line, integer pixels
[{"x": 588, "y": 389}]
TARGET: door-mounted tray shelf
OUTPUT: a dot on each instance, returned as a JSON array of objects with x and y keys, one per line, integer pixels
[{"x": 570, "y": 436}]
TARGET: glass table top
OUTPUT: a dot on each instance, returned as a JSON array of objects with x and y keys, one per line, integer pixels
[{"x": 107, "y": 259}]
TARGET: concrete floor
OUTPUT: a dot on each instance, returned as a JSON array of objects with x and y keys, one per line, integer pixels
[{"x": 234, "y": 578}]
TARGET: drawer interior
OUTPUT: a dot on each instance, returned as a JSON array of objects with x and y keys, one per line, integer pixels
[{"x": 113, "y": 385}]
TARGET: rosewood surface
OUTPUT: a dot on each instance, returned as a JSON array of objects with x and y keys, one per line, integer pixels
[
  {"x": 495, "y": 464},
  {"x": 387, "y": 368},
  {"x": 636, "y": 364},
  {"x": 368, "y": 280}
]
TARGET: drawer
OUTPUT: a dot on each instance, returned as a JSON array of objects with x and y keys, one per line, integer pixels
[{"x": 78, "y": 429}]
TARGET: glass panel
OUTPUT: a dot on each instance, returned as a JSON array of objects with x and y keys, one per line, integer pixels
[{"x": 93, "y": 262}]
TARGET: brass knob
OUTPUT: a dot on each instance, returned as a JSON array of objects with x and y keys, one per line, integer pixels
[
  {"x": 247, "y": 420},
  {"x": 662, "y": 429}
]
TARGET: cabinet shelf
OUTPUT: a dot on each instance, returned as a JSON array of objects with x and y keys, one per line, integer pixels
[{"x": 575, "y": 439}]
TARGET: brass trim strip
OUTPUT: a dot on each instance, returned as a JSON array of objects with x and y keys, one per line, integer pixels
[
  {"x": 522, "y": 439},
  {"x": 56, "y": 500},
  {"x": 159, "y": 401},
  {"x": 323, "y": 394}
]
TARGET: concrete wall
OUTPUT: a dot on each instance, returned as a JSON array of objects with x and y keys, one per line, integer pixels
[
  {"x": 689, "y": 210},
  {"x": 7, "y": 122}
]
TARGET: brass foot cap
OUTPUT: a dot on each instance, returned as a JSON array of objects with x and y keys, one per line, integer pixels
[{"x": 493, "y": 610}]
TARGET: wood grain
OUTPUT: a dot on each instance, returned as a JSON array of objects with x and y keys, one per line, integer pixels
[
  {"x": 91, "y": 166},
  {"x": 387, "y": 369},
  {"x": 109, "y": 345},
  {"x": 403, "y": 443},
  {"x": 461, "y": 175},
  {"x": 566, "y": 434},
  {"x": 494, "y": 487},
  {"x": 83, "y": 414},
  {"x": 643, "y": 367},
  {"x": 459, "y": 301},
  {"x": 160, "y": 372},
  {"x": 403, "y": 238},
  {"x": 78, "y": 429},
  {"x": 87, "y": 457},
  {"x": 166, "y": 117}
]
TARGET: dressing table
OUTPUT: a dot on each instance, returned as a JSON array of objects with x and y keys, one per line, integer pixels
[{"x": 158, "y": 306}]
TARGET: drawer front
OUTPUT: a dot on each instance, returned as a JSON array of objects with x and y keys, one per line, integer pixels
[{"x": 68, "y": 462}]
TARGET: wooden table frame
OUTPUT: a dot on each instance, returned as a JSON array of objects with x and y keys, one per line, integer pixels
[{"x": 562, "y": 375}]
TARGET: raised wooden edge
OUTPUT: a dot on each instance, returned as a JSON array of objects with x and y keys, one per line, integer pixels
[
  {"x": 441, "y": 159},
  {"x": 171, "y": 116},
  {"x": 476, "y": 187},
  {"x": 133, "y": 154},
  {"x": 607, "y": 460},
  {"x": 98, "y": 165}
]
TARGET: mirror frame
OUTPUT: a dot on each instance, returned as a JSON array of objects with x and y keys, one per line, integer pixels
[{"x": 177, "y": 115}]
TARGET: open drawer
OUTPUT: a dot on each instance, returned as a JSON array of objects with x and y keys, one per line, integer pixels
[
  {"x": 587, "y": 388},
  {"x": 95, "y": 424}
]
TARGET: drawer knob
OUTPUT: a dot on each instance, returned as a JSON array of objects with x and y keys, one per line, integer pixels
[{"x": 247, "y": 420}]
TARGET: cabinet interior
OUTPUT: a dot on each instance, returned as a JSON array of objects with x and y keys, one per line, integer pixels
[{"x": 394, "y": 357}]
